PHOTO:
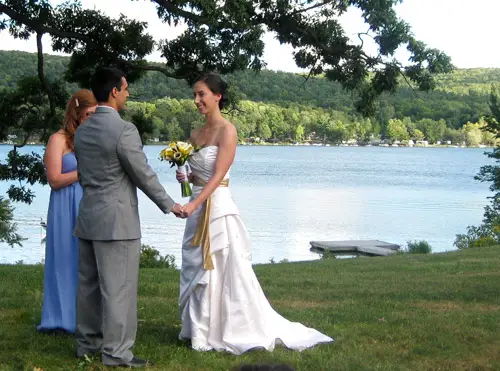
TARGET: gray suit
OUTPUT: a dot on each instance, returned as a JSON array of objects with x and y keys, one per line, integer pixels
[{"x": 111, "y": 166}]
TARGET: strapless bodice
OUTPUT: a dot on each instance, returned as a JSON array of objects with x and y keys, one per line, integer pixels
[
  {"x": 202, "y": 163},
  {"x": 68, "y": 162}
]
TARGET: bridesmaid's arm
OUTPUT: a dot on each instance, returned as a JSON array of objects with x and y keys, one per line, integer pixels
[
  {"x": 53, "y": 163},
  {"x": 225, "y": 157}
]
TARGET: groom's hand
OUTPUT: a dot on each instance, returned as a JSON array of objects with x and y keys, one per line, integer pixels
[{"x": 177, "y": 210}]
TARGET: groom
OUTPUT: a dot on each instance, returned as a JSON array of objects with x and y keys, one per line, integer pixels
[{"x": 111, "y": 166}]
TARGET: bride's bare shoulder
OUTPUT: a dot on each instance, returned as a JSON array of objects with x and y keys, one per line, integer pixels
[
  {"x": 228, "y": 130},
  {"x": 228, "y": 125}
]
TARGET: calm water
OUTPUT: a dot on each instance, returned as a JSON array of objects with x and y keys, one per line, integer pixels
[{"x": 289, "y": 196}]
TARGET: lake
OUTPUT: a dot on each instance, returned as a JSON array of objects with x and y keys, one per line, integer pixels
[{"x": 288, "y": 196}]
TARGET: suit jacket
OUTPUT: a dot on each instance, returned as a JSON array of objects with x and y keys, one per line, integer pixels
[{"x": 111, "y": 166}]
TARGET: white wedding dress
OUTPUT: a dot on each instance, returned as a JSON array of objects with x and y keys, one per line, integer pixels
[{"x": 225, "y": 309}]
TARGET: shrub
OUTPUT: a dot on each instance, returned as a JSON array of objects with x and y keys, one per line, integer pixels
[
  {"x": 151, "y": 258},
  {"x": 418, "y": 247},
  {"x": 476, "y": 237},
  {"x": 328, "y": 255}
]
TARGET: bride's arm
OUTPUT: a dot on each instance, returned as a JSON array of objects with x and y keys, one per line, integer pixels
[
  {"x": 225, "y": 157},
  {"x": 178, "y": 174}
]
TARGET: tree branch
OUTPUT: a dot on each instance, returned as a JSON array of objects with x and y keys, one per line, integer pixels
[
  {"x": 41, "y": 28},
  {"x": 180, "y": 12},
  {"x": 408, "y": 82},
  {"x": 163, "y": 70},
  {"x": 298, "y": 11},
  {"x": 361, "y": 39},
  {"x": 306, "y": 79},
  {"x": 14, "y": 156},
  {"x": 41, "y": 75}
]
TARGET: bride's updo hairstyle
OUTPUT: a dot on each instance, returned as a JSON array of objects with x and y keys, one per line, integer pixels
[{"x": 217, "y": 86}]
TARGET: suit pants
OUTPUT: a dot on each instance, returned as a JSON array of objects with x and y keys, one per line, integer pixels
[{"x": 108, "y": 274}]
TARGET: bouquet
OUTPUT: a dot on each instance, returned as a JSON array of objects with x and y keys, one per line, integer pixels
[{"x": 177, "y": 153}]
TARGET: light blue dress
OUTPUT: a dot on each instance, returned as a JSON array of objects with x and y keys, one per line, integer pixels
[{"x": 61, "y": 256}]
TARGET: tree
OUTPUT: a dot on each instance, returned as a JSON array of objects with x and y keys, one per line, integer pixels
[
  {"x": 434, "y": 131},
  {"x": 335, "y": 131},
  {"x": 263, "y": 132},
  {"x": 141, "y": 115},
  {"x": 299, "y": 133},
  {"x": 410, "y": 126},
  {"x": 418, "y": 135},
  {"x": 396, "y": 131},
  {"x": 7, "y": 227},
  {"x": 224, "y": 36},
  {"x": 455, "y": 136},
  {"x": 172, "y": 131},
  {"x": 385, "y": 113},
  {"x": 228, "y": 37},
  {"x": 29, "y": 115},
  {"x": 473, "y": 134},
  {"x": 487, "y": 233}
]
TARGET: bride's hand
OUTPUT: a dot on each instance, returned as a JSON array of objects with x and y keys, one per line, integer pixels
[
  {"x": 188, "y": 209},
  {"x": 179, "y": 175}
]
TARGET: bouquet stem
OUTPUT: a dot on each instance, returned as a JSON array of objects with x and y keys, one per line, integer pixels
[{"x": 185, "y": 186}]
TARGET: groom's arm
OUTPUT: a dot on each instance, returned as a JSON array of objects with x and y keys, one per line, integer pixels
[{"x": 135, "y": 163}]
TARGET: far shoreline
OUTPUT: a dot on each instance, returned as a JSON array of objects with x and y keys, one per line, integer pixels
[{"x": 303, "y": 144}]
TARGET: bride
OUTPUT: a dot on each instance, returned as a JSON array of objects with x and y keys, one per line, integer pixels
[{"x": 222, "y": 305}]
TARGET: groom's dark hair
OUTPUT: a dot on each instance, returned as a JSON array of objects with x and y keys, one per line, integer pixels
[{"x": 104, "y": 80}]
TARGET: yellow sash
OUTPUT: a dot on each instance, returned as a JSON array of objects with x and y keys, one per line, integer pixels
[{"x": 202, "y": 235}]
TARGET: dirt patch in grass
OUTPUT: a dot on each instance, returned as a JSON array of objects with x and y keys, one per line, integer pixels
[
  {"x": 453, "y": 306},
  {"x": 304, "y": 304},
  {"x": 478, "y": 274},
  {"x": 12, "y": 315}
]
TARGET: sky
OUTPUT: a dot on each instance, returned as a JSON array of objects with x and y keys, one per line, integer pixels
[{"x": 464, "y": 30}]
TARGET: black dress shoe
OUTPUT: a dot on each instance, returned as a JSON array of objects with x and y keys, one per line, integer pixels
[{"x": 136, "y": 363}]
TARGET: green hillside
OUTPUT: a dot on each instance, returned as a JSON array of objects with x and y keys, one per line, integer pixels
[{"x": 459, "y": 97}]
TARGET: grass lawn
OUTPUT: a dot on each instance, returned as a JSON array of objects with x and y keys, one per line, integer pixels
[{"x": 405, "y": 312}]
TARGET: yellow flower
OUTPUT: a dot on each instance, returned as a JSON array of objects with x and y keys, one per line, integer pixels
[
  {"x": 177, "y": 152},
  {"x": 167, "y": 154},
  {"x": 185, "y": 148}
]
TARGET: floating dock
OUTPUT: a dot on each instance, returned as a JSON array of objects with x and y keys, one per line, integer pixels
[{"x": 355, "y": 247}]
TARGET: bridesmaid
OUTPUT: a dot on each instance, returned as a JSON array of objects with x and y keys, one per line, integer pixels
[{"x": 61, "y": 247}]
